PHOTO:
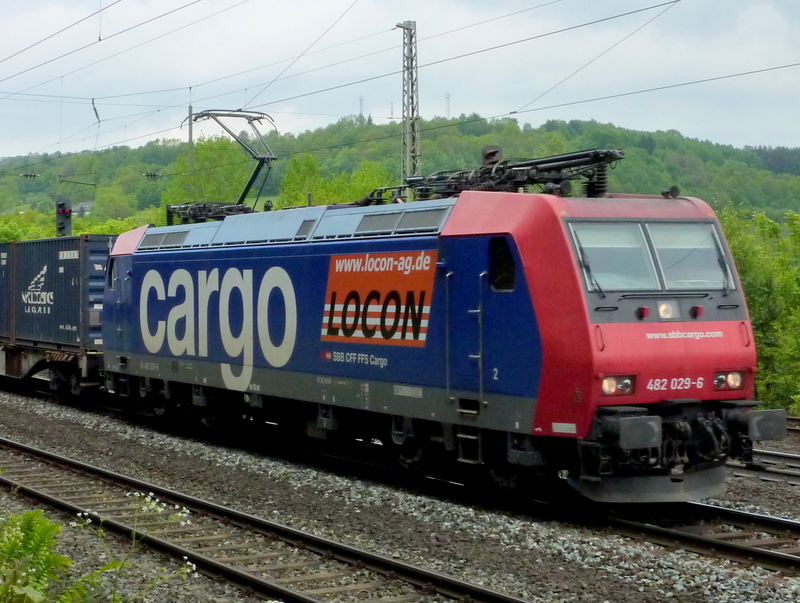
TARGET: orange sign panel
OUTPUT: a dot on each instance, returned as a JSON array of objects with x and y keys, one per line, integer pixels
[{"x": 381, "y": 298}]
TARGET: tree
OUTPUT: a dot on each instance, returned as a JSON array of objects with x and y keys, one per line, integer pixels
[
  {"x": 301, "y": 178},
  {"x": 220, "y": 173},
  {"x": 112, "y": 203}
]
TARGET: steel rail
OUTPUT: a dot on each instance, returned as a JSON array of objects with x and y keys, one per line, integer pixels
[
  {"x": 428, "y": 581},
  {"x": 769, "y": 466},
  {"x": 749, "y": 538}
]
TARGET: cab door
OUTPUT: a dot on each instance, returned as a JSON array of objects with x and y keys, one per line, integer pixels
[{"x": 494, "y": 345}]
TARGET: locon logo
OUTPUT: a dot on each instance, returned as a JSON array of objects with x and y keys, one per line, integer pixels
[
  {"x": 36, "y": 299},
  {"x": 379, "y": 298}
]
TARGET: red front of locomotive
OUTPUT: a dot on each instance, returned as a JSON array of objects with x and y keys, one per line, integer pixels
[{"x": 648, "y": 353}]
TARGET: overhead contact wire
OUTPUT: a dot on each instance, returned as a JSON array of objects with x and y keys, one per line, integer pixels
[
  {"x": 347, "y": 10},
  {"x": 606, "y": 51},
  {"x": 119, "y": 33},
  {"x": 60, "y": 31}
]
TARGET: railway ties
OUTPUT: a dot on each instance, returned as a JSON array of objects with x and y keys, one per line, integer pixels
[
  {"x": 270, "y": 558},
  {"x": 769, "y": 465},
  {"x": 748, "y": 538}
]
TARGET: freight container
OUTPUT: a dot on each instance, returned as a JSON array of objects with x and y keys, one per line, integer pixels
[
  {"x": 51, "y": 302},
  {"x": 5, "y": 292}
]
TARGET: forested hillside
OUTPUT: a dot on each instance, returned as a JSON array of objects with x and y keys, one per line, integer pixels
[
  {"x": 754, "y": 190},
  {"x": 121, "y": 181}
]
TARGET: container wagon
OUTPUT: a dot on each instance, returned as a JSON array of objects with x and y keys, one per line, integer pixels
[{"x": 51, "y": 298}]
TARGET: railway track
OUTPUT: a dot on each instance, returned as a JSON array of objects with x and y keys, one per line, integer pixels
[
  {"x": 269, "y": 558},
  {"x": 748, "y": 538},
  {"x": 770, "y": 466}
]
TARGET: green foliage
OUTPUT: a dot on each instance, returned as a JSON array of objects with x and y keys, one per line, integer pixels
[
  {"x": 26, "y": 225},
  {"x": 303, "y": 178},
  {"x": 28, "y": 564},
  {"x": 767, "y": 259},
  {"x": 31, "y": 572},
  {"x": 220, "y": 173}
]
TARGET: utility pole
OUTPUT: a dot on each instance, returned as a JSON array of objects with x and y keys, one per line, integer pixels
[
  {"x": 411, "y": 142},
  {"x": 191, "y": 143}
]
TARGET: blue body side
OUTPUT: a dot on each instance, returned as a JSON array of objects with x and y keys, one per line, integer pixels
[{"x": 511, "y": 360}]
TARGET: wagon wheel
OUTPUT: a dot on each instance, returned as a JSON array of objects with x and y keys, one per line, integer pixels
[{"x": 75, "y": 384}]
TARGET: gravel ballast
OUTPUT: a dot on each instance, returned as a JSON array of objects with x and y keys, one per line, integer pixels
[{"x": 538, "y": 560}]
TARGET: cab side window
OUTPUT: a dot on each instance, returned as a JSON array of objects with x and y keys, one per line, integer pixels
[
  {"x": 111, "y": 274},
  {"x": 502, "y": 267}
]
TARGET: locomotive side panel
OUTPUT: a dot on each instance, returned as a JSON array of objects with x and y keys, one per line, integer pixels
[
  {"x": 493, "y": 342},
  {"x": 363, "y": 325}
]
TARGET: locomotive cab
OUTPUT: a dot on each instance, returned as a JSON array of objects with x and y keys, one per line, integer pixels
[{"x": 673, "y": 355}]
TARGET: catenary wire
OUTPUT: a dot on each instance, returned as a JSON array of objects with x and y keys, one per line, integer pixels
[
  {"x": 326, "y": 49},
  {"x": 322, "y": 35},
  {"x": 98, "y": 41},
  {"x": 87, "y": 99},
  {"x": 475, "y": 120},
  {"x": 471, "y": 53},
  {"x": 606, "y": 51},
  {"x": 60, "y": 31},
  {"x": 395, "y": 72},
  {"x": 609, "y": 96}
]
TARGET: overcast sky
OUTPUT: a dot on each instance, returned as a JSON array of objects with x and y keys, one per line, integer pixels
[{"x": 127, "y": 73}]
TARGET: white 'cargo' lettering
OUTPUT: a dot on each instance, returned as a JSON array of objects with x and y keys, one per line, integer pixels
[
  {"x": 277, "y": 278},
  {"x": 182, "y": 312},
  {"x": 236, "y": 345},
  {"x": 187, "y": 326},
  {"x": 153, "y": 342}
]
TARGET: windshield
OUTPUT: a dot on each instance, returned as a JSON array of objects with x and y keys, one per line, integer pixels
[
  {"x": 673, "y": 256},
  {"x": 689, "y": 255},
  {"x": 615, "y": 256}
]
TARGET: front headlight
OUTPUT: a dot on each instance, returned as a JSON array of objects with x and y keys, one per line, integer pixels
[
  {"x": 729, "y": 380},
  {"x": 668, "y": 310},
  {"x": 618, "y": 386}
]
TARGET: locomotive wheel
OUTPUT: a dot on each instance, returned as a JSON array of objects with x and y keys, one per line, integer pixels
[
  {"x": 206, "y": 417},
  {"x": 411, "y": 454},
  {"x": 504, "y": 477},
  {"x": 162, "y": 408}
]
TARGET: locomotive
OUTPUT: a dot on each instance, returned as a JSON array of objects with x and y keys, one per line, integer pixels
[{"x": 601, "y": 338}]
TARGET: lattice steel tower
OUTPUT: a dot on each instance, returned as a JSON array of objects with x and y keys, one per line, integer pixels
[{"x": 411, "y": 142}]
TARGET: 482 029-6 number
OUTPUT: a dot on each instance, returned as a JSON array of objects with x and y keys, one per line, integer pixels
[{"x": 676, "y": 383}]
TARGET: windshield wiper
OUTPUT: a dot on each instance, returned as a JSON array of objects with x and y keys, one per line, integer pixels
[
  {"x": 724, "y": 266},
  {"x": 588, "y": 269}
]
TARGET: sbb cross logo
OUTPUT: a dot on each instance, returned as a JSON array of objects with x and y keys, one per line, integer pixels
[{"x": 379, "y": 298}]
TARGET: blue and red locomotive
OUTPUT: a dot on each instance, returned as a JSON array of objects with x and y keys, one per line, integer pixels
[{"x": 602, "y": 338}]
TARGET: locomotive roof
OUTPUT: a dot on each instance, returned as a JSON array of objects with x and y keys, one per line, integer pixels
[
  {"x": 478, "y": 212},
  {"x": 304, "y": 224}
]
